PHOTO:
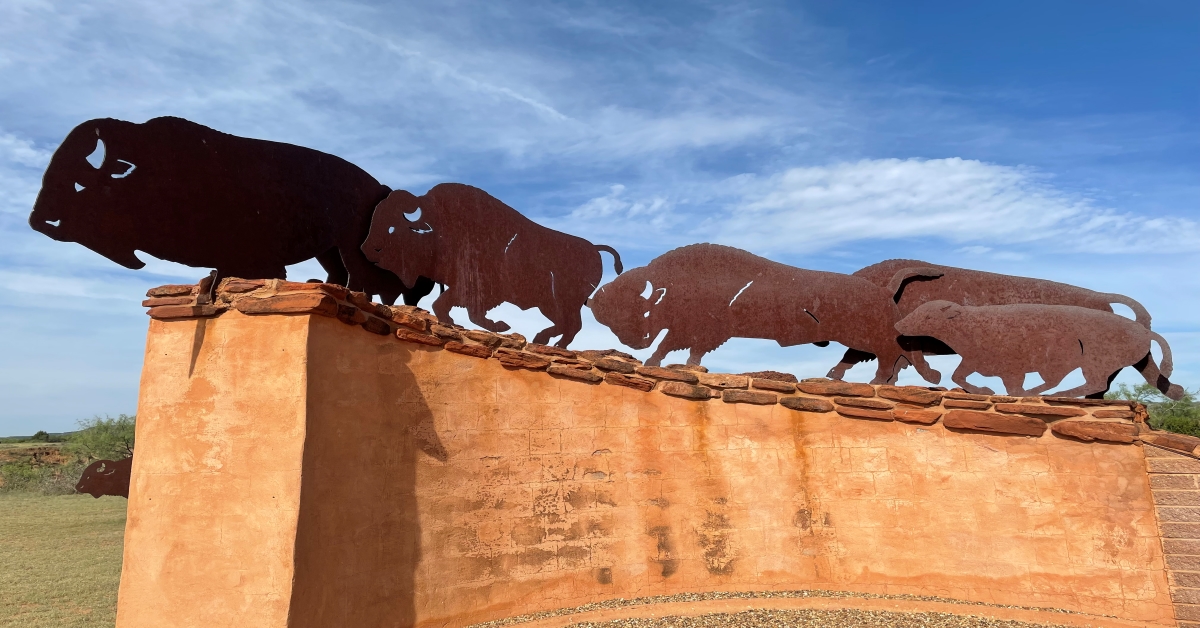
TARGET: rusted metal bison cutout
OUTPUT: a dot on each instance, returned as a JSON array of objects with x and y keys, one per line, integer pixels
[
  {"x": 705, "y": 294},
  {"x": 183, "y": 192},
  {"x": 106, "y": 477},
  {"x": 487, "y": 253},
  {"x": 1009, "y": 341},
  {"x": 913, "y": 283}
]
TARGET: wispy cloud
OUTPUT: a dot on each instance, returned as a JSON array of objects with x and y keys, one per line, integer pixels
[{"x": 955, "y": 200}]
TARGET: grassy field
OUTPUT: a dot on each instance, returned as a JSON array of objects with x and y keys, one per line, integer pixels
[{"x": 60, "y": 560}]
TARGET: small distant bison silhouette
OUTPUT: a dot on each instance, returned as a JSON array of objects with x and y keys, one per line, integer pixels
[
  {"x": 487, "y": 253},
  {"x": 183, "y": 192},
  {"x": 1009, "y": 341},
  {"x": 705, "y": 294},
  {"x": 106, "y": 477}
]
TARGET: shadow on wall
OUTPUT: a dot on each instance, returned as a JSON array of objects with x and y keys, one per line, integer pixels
[{"x": 358, "y": 537}]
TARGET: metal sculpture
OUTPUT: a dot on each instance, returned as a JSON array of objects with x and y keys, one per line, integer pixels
[
  {"x": 705, "y": 294},
  {"x": 913, "y": 283},
  {"x": 183, "y": 192},
  {"x": 1009, "y": 341},
  {"x": 486, "y": 253},
  {"x": 106, "y": 477}
]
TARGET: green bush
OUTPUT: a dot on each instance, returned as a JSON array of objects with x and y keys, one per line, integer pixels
[
  {"x": 103, "y": 439},
  {"x": 97, "y": 439},
  {"x": 1181, "y": 417},
  {"x": 56, "y": 479}
]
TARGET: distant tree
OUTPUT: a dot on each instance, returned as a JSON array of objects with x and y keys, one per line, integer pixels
[
  {"x": 1181, "y": 417},
  {"x": 104, "y": 438},
  {"x": 42, "y": 436}
]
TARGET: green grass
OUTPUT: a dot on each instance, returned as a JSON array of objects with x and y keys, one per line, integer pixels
[{"x": 60, "y": 560}]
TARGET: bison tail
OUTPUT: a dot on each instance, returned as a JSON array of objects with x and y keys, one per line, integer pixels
[
  {"x": 1167, "y": 365},
  {"x": 896, "y": 286},
  {"x": 1139, "y": 312},
  {"x": 616, "y": 257}
]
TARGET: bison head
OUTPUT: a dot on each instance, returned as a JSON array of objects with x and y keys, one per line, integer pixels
[
  {"x": 105, "y": 477},
  {"x": 625, "y": 307},
  {"x": 402, "y": 239},
  {"x": 930, "y": 319},
  {"x": 83, "y": 195}
]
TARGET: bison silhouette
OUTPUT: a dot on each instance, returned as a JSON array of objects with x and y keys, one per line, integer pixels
[
  {"x": 1009, "y": 341},
  {"x": 183, "y": 192},
  {"x": 106, "y": 477},
  {"x": 705, "y": 294},
  {"x": 487, "y": 253},
  {"x": 913, "y": 283}
]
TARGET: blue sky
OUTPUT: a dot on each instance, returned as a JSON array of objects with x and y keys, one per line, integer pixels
[{"x": 1057, "y": 140}]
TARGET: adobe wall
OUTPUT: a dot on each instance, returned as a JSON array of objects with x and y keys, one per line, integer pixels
[{"x": 294, "y": 470}]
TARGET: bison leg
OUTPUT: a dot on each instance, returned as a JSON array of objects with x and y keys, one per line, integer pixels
[
  {"x": 570, "y": 327},
  {"x": 1093, "y": 382},
  {"x": 478, "y": 315},
  {"x": 1015, "y": 386},
  {"x": 666, "y": 346},
  {"x": 442, "y": 305},
  {"x": 413, "y": 295},
  {"x": 695, "y": 355},
  {"x": 545, "y": 335},
  {"x": 849, "y": 359},
  {"x": 960, "y": 376},
  {"x": 331, "y": 261},
  {"x": 889, "y": 367},
  {"x": 930, "y": 374},
  {"x": 1100, "y": 394}
]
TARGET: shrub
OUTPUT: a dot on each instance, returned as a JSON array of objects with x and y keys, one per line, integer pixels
[
  {"x": 1181, "y": 417},
  {"x": 58, "y": 479},
  {"x": 103, "y": 439}
]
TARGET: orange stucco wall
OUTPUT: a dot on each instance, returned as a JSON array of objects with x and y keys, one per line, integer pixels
[{"x": 296, "y": 471}]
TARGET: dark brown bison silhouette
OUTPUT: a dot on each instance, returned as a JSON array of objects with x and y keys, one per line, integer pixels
[
  {"x": 705, "y": 294},
  {"x": 1009, "y": 341},
  {"x": 913, "y": 282},
  {"x": 106, "y": 477},
  {"x": 183, "y": 192},
  {"x": 487, "y": 253}
]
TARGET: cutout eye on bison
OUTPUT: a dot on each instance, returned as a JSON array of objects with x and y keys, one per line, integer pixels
[{"x": 247, "y": 207}]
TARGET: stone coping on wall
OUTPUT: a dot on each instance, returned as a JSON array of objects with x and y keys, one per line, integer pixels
[{"x": 1088, "y": 420}]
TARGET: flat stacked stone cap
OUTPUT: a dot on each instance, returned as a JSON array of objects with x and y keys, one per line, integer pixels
[{"x": 1087, "y": 420}]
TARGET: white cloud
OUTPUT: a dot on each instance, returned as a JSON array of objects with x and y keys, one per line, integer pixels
[{"x": 985, "y": 208}]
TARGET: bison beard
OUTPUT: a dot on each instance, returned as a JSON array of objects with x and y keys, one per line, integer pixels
[{"x": 186, "y": 193}]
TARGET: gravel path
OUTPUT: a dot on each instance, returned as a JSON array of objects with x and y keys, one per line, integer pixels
[{"x": 815, "y": 619}]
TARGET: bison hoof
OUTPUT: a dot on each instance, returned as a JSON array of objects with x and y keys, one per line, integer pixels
[{"x": 500, "y": 327}]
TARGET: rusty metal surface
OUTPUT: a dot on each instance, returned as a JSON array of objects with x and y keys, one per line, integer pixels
[
  {"x": 705, "y": 294},
  {"x": 1009, "y": 341},
  {"x": 913, "y": 282},
  {"x": 486, "y": 253},
  {"x": 106, "y": 477},
  {"x": 183, "y": 192}
]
